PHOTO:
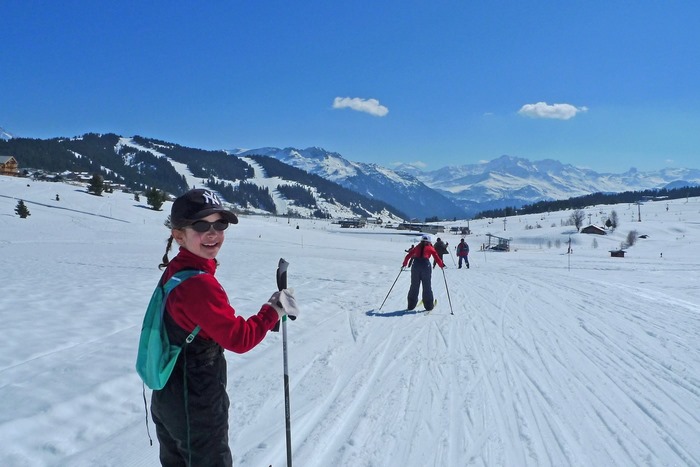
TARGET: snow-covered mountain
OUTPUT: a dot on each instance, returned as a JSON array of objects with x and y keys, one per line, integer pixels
[
  {"x": 273, "y": 191},
  {"x": 259, "y": 185},
  {"x": 4, "y": 134},
  {"x": 400, "y": 189},
  {"x": 450, "y": 192},
  {"x": 514, "y": 181},
  {"x": 459, "y": 191}
]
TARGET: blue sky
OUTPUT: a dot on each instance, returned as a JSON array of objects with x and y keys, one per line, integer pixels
[{"x": 605, "y": 85}]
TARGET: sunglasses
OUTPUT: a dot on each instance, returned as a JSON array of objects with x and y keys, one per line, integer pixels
[{"x": 203, "y": 226}]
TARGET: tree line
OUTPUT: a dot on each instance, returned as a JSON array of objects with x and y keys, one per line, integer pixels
[{"x": 592, "y": 200}]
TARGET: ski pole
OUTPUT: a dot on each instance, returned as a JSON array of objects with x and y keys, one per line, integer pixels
[
  {"x": 282, "y": 284},
  {"x": 392, "y": 287},
  {"x": 448, "y": 292}
]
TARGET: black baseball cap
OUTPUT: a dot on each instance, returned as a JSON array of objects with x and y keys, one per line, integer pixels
[{"x": 197, "y": 204}]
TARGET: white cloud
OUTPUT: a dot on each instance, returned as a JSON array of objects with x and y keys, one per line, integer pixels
[
  {"x": 370, "y": 106},
  {"x": 556, "y": 111}
]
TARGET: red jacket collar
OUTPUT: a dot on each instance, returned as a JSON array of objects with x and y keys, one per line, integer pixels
[{"x": 185, "y": 259}]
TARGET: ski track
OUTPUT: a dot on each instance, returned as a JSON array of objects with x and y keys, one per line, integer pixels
[
  {"x": 509, "y": 394},
  {"x": 541, "y": 365}
]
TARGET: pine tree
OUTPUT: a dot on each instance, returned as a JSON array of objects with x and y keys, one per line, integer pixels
[
  {"x": 96, "y": 185},
  {"x": 21, "y": 210},
  {"x": 155, "y": 198}
]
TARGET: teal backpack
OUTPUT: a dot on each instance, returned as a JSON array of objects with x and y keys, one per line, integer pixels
[{"x": 157, "y": 356}]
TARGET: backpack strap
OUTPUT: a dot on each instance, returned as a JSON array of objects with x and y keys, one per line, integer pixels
[
  {"x": 193, "y": 334},
  {"x": 176, "y": 279}
]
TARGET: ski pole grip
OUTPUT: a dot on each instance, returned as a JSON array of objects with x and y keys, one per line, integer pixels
[{"x": 282, "y": 278}]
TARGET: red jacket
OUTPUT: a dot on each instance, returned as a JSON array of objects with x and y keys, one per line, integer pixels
[
  {"x": 201, "y": 300},
  {"x": 428, "y": 251},
  {"x": 462, "y": 249}
]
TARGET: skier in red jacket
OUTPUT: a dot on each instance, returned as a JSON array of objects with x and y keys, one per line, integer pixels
[
  {"x": 421, "y": 272},
  {"x": 191, "y": 411},
  {"x": 463, "y": 253}
]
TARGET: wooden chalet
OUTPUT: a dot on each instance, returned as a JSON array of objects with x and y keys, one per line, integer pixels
[{"x": 9, "y": 166}]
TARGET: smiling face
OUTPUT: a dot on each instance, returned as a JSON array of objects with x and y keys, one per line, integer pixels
[{"x": 206, "y": 244}]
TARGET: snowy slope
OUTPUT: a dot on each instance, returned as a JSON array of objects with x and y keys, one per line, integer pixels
[
  {"x": 549, "y": 360},
  {"x": 402, "y": 191}
]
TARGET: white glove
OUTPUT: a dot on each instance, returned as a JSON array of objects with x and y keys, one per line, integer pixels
[{"x": 284, "y": 303}]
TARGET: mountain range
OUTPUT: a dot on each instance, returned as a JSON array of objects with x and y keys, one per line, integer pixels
[
  {"x": 403, "y": 191},
  {"x": 462, "y": 191}
]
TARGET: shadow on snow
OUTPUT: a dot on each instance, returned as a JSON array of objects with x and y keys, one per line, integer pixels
[{"x": 391, "y": 314}]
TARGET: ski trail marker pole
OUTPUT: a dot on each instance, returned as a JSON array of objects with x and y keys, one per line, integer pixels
[
  {"x": 392, "y": 288},
  {"x": 282, "y": 284},
  {"x": 448, "y": 291}
]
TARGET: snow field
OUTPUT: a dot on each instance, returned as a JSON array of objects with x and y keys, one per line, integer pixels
[{"x": 550, "y": 359}]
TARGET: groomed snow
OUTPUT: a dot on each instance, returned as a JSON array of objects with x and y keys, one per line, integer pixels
[{"x": 549, "y": 360}]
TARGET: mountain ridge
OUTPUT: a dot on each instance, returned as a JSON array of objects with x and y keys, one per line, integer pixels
[
  {"x": 403, "y": 191},
  {"x": 458, "y": 191},
  {"x": 506, "y": 181}
]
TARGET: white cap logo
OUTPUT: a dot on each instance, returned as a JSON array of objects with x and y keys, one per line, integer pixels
[{"x": 211, "y": 198}]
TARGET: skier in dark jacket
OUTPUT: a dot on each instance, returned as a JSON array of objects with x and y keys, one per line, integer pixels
[
  {"x": 191, "y": 411},
  {"x": 463, "y": 253},
  {"x": 421, "y": 272},
  {"x": 441, "y": 248}
]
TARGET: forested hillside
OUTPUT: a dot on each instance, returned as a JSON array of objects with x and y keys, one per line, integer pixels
[{"x": 140, "y": 163}]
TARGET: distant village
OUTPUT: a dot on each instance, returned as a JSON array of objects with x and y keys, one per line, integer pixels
[{"x": 10, "y": 166}]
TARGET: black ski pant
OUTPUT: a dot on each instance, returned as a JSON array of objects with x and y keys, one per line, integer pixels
[
  {"x": 191, "y": 411},
  {"x": 421, "y": 273}
]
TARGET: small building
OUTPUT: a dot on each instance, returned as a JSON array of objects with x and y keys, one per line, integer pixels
[
  {"x": 617, "y": 253},
  {"x": 593, "y": 229},
  {"x": 9, "y": 166},
  {"x": 460, "y": 230},
  {"x": 352, "y": 223},
  {"x": 425, "y": 228}
]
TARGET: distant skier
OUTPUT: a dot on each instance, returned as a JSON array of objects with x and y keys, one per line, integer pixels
[
  {"x": 441, "y": 248},
  {"x": 421, "y": 272},
  {"x": 463, "y": 253}
]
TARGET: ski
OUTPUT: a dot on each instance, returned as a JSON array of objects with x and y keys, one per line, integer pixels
[
  {"x": 424, "y": 311},
  {"x": 427, "y": 312}
]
